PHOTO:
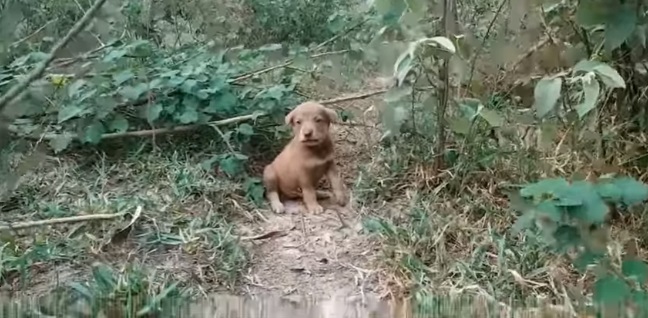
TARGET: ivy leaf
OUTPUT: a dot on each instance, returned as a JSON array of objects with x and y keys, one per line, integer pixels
[
  {"x": 619, "y": 25},
  {"x": 118, "y": 124},
  {"x": 75, "y": 88},
  {"x": 610, "y": 290},
  {"x": 591, "y": 90},
  {"x": 92, "y": 133},
  {"x": 632, "y": 191},
  {"x": 546, "y": 94},
  {"x": 636, "y": 269},
  {"x": 60, "y": 142}
]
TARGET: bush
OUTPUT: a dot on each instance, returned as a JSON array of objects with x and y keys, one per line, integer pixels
[{"x": 303, "y": 22}]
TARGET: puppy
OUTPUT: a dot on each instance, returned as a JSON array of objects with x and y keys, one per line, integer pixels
[{"x": 308, "y": 157}]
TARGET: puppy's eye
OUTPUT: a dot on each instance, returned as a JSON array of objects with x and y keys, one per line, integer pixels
[
  {"x": 318, "y": 120},
  {"x": 298, "y": 122}
]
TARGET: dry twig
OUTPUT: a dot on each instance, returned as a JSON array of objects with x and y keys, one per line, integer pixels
[
  {"x": 19, "y": 89},
  {"x": 218, "y": 123},
  {"x": 71, "y": 219}
]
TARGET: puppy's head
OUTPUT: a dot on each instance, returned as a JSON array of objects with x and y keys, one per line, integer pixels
[{"x": 310, "y": 122}]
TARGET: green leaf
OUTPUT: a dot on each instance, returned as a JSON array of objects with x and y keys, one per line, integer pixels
[
  {"x": 123, "y": 76},
  {"x": 60, "y": 142},
  {"x": 593, "y": 209},
  {"x": 224, "y": 102},
  {"x": 636, "y": 269},
  {"x": 188, "y": 116},
  {"x": 549, "y": 210},
  {"x": 69, "y": 112},
  {"x": 591, "y": 13},
  {"x": 609, "y": 76},
  {"x": 404, "y": 64},
  {"x": 441, "y": 42},
  {"x": 523, "y": 222},
  {"x": 609, "y": 191},
  {"x": 585, "y": 259},
  {"x": 390, "y": 10},
  {"x": 640, "y": 299},
  {"x": 545, "y": 186},
  {"x": 92, "y": 133},
  {"x": 133, "y": 92},
  {"x": 586, "y": 66},
  {"x": 610, "y": 290},
  {"x": 254, "y": 190},
  {"x": 276, "y": 92},
  {"x": 245, "y": 129},
  {"x": 469, "y": 107},
  {"x": 619, "y": 25},
  {"x": 591, "y": 90},
  {"x": 459, "y": 125},
  {"x": 74, "y": 89},
  {"x": 118, "y": 124},
  {"x": 546, "y": 94},
  {"x": 632, "y": 191},
  {"x": 492, "y": 117},
  {"x": 232, "y": 164}
]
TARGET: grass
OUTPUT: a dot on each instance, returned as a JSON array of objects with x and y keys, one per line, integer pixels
[{"x": 177, "y": 228}]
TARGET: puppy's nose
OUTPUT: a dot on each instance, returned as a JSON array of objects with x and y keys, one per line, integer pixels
[{"x": 308, "y": 133}]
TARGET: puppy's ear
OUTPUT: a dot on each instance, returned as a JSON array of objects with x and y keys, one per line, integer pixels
[
  {"x": 289, "y": 118},
  {"x": 331, "y": 114}
]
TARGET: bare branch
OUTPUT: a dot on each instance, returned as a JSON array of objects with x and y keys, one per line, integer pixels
[
  {"x": 218, "y": 123},
  {"x": 20, "y": 88}
]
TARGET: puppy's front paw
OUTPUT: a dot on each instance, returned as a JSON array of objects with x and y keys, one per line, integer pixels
[
  {"x": 278, "y": 207},
  {"x": 341, "y": 198},
  {"x": 315, "y": 208}
]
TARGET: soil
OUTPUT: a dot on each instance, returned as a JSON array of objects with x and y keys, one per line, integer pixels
[{"x": 328, "y": 254}]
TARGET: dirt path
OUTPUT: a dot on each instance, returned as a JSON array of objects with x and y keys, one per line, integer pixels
[{"x": 327, "y": 254}]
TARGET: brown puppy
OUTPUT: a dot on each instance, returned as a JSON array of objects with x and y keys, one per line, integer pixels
[{"x": 305, "y": 160}]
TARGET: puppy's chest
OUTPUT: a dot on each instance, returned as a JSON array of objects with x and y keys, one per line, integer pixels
[{"x": 317, "y": 167}]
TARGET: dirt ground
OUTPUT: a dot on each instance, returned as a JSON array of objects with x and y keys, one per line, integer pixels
[{"x": 326, "y": 254}]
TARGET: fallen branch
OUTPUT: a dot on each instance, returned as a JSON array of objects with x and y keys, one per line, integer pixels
[
  {"x": 263, "y": 236},
  {"x": 218, "y": 123},
  {"x": 71, "y": 219},
  {"x": 18, "y": 90}
]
